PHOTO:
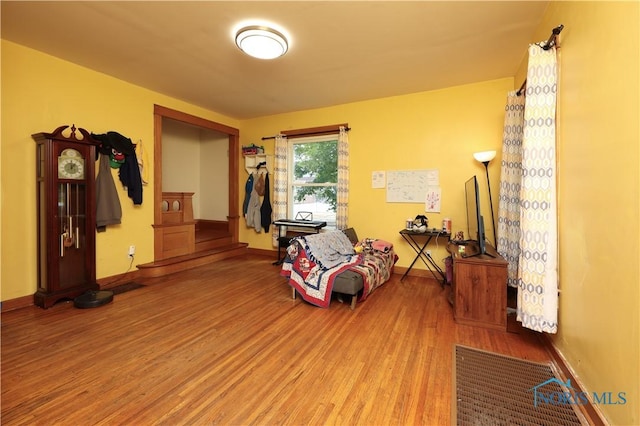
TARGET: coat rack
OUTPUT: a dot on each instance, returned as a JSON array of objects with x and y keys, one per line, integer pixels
[{"x": 259, "y": 163}]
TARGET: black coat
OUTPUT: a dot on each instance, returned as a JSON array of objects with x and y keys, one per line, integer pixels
[
  {"x": 129, "y": 171},
  {"x": 265, "y": 209}
]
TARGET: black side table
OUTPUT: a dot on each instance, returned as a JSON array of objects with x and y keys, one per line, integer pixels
[{"x": 411, "y": 237}]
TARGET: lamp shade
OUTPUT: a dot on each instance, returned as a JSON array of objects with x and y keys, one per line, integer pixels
[
  {"x": 261, "y": 42},
  {"x": 484, "y": 156}
]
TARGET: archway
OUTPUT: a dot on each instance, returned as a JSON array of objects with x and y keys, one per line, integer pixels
[{"x": 165, "y": 232}]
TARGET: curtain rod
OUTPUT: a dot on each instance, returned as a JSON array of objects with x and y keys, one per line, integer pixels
[
  {"x": 310, "y": 133},
  {"x": 548, "y": 45}
]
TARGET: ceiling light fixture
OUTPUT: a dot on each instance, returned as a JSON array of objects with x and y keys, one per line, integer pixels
[{"x": 261, "y": 42}]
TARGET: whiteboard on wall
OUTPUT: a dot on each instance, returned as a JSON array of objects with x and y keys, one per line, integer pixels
[{"x": 410, "y": 186}]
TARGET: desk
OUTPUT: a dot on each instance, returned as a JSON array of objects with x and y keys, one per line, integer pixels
[
  {"x": 310, "y": 226},
  {"x": 411, "y": 238}
]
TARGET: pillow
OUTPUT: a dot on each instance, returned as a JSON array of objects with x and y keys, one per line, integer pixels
[{"x": 351, "y": 234}]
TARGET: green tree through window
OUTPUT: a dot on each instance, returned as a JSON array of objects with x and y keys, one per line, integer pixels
[{"x": 315, "y": 175}]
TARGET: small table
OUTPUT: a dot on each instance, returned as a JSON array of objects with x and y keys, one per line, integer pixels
[
  {"x": 411, "y": 237},
  {"x": 315, "y": 226}
]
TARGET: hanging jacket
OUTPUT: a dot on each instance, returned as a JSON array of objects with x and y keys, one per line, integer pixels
[
  {"x": 129, "y": 174},
  {"x": 108, "y": 209},
  {"x": 248, "y": 187},
  {"x": 143, "y": 162},
  {"x": 259, "y": 184},
  {"x": 265, "y": 209},
  {"x": 129, "y": 170},
  {"x": 114, "y": 140},
  {"x": 253, "y": 212}
]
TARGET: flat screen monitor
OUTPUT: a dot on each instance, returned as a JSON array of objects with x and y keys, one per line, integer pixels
[{"x": 475, "y": 222}]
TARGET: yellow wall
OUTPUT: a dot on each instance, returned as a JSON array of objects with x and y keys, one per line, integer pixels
[
  {"x": 598, "y": 152},
  {"x": 418, "y": 131},
  {"x": 428, "y": 130},
  {"x": 40, "y": 93},
  {"x": 599, "y": 164}
]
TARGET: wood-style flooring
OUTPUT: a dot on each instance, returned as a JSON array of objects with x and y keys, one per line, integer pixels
[{"x": 226, "y": 344}]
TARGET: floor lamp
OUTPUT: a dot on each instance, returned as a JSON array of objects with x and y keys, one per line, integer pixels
[{"x": 485, "y": 158}]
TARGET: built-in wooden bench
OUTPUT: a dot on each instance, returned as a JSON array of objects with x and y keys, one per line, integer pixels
[
  {"x": 182, "y": 242},
  {"x": 175, "y": 236}
]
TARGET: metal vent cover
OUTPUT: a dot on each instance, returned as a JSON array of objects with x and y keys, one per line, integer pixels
[{"x": 493, "y": 389}]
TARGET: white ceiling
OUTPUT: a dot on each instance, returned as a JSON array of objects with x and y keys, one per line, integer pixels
[{"x": 340, "y": 52}]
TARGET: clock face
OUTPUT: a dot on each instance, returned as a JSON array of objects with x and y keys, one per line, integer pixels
[{"x": 70, "y": 165}]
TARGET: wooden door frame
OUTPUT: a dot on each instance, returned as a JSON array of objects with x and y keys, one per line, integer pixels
[{"x": 159, "y": 113}]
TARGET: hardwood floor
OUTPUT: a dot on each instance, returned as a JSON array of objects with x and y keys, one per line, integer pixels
[{"x": 226, "y": 344}]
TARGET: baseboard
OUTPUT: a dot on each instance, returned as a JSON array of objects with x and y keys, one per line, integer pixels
[
  {"x": 17, "y": 303},
  {"x": 265, "y": 252},
  {"x": 422, "y": 273},
  {"x": 106, "y": 283},
  {"x": 589, "y": 411}
]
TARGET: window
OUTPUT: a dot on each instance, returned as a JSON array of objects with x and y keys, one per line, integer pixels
[{"x": 313, "y": 174}]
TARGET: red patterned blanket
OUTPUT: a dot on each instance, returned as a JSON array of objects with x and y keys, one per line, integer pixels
[
  {"x": 376, "y": 269},
  {"x": 312, "y": 265}
]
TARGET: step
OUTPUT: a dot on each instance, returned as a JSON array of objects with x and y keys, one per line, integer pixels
[
  {"x": 205, "y": 244},
  {"x": 182, "y": 263}
]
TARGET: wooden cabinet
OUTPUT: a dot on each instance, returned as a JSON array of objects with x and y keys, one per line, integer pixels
[{"x": 479, "y": 289}]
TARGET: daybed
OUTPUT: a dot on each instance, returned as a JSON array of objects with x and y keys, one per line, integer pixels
[{"x": 335, "y": 262}]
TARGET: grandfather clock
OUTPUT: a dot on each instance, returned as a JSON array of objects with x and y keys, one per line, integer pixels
[{"x": 65, "y": 189}]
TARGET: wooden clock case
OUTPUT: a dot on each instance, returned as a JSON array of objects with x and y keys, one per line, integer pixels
[{"x": 66, "y": 217}]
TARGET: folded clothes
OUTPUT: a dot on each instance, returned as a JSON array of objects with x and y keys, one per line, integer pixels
[{"x": 381, "y": 245}]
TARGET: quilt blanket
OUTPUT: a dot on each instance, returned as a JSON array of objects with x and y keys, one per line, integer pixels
[
  {"x": 376, "y": 269},
  {"x": 313, "y": 262}
]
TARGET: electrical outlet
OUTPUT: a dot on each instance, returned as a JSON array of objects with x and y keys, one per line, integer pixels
[{"x": 132, "y": 251}]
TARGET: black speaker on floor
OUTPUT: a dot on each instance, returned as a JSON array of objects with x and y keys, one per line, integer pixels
[{"x": 93, "y": 299}]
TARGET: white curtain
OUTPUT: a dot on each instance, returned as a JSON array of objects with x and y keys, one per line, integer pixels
[
  {"x": 510, "y": 184},
  {"x": 538, "y": 260},
  {"x": 343, "y": 179},
  {"x": 280, "y": 189}
]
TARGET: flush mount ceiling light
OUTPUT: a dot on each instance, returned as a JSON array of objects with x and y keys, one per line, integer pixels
[{"x": 261, "y": 42}]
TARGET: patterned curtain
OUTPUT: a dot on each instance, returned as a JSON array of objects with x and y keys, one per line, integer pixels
[
  {"x": 343, "y": 179},
  {"x": 510, "y": 183},
  {"x": 280, "y": 190},
  {"x": 538, "y": 272}
]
